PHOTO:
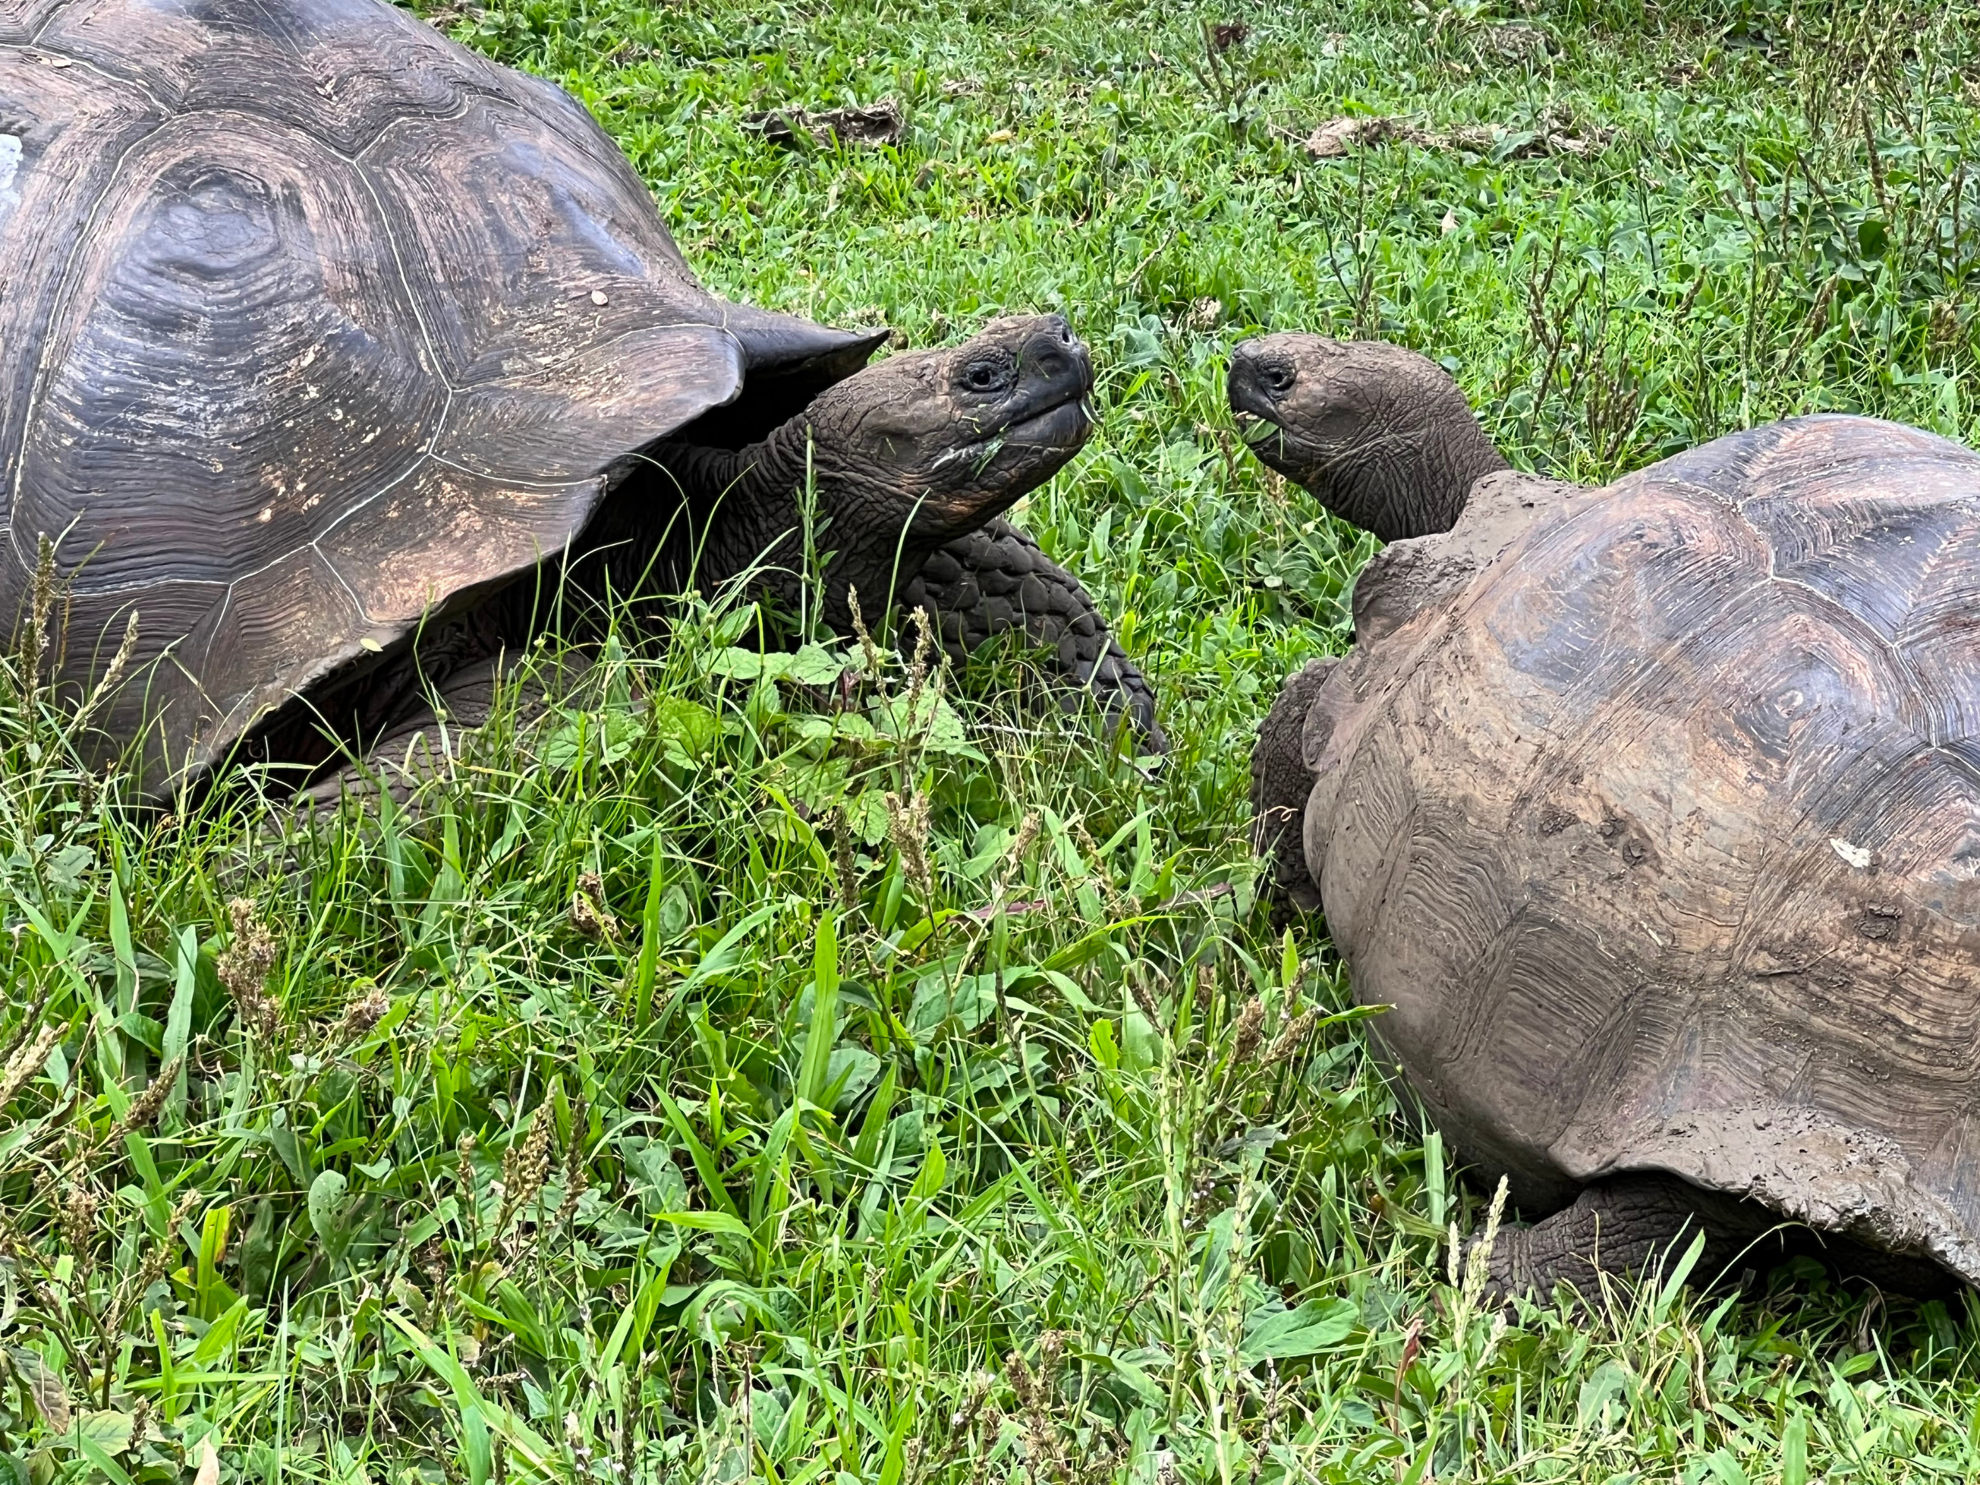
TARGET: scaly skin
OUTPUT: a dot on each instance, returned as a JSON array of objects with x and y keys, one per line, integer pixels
[
  {"x": 1382, "y": 437},
  {"x": 901, "y": 458},
  {"x": 914, "y": 456}
]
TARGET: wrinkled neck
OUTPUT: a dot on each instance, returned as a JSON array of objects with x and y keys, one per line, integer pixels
[
  {"x": 1416, "y": 487},
  {"x": 746, "y": 511},
  {"x": 744, "y": 507}
]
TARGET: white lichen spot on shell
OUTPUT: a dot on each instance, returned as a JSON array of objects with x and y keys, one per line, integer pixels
[
  {"x": 1856, "y": 856},
  {"x": 10, "y": 169}
]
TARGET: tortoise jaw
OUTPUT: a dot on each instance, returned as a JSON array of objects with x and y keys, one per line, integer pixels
[
  {"x": 1021, "y": 455},
  {"x": 1268, "y": 441},
  {"x": 1256, "y": 431},
  {"x": 1064, "y": 425},
  {"x": 1256, "y": 412},
  {"x": 1049, "y": 407}
]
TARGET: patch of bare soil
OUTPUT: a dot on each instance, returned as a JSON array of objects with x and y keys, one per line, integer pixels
[
  {"x": 1553, "y": 134},
  {"x": 882, "y": 123}
]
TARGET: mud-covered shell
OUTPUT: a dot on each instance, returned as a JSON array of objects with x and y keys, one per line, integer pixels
[
  {"x": 1660, "y": 830},
  {"x": 312, "y": 323}
]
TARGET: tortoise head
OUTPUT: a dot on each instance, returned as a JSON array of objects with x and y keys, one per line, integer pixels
[
  {"x": 939, "y": 441},
  {"x": 1381, "y": 436}
]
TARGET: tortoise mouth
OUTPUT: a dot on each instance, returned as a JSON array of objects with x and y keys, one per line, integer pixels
[
  {"x": 1252, "y": 407},
  {"x": 1060, "y": 426},
  {"x": 1255, "y": 428},
  {"x": 1266, "y": 437},
  {"x": 1064, "y": 425}
]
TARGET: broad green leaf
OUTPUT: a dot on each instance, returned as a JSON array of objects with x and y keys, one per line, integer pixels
[
  {"x": 109, "y": 1430},
  {"x": 686, "y": 725},
  {"x": 657, "y": 1181},
  {"x": 720, "y": 1222},
  {"x": 866, "y": 812},
  {"x": 1309, "y": 1329},
  {"x": 970, "y": 1002},
  {"x": 1100, "y": 1040},
  {"x": 837, "y": 726},
  {"x": 934, "y": 1171},
  {"x": 814, "y": 665},
  {"x": 933, "y": 723},
  {"x": 329, "y": 1211},
  {"x": 1606, "y": 1391},
  {"x": 1794, "y": 1451},
  {"x": 849, "y": 1074},
  {"x": 737, "y": 664},
  {"x": 1145, "y": 1386}
]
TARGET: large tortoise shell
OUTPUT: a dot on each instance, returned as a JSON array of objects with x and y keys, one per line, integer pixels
[
  {"x": 1663, "y": 839},
  {"x": 311, "y": 321}
]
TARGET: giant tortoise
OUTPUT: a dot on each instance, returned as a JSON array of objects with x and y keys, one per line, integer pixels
[
  {"x": 1653, "y": 814},
  {"x": 329, "y": 349}
]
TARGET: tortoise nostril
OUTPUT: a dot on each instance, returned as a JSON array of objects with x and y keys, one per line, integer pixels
[{"x": 1050, "y": 362}]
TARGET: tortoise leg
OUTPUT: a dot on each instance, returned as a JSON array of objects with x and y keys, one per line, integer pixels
[
  {"x": 414, "y": 746},
  {"x": 1624, "y": 1226},
  {"x": 1895, "y": 1273},
  {"x": 1280, "y": 785},
  {"x": 996, "y": 579},
  {"x": 1628, "y": 1224}
]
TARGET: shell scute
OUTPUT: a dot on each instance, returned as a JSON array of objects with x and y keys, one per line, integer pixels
[
  {"x": 340, "y": 70},
  {"x": 300, "y": 338},
  {"x": 68, "y": 143},
  {"x": 22, "y": 20},
  {"x": 551, "y": 229},
  {"x": 609, "y": 396},
  {"x": 440, "y": 532},
  {"x": 226, "y": 334},
  {"x": 1664, "y": 840}
]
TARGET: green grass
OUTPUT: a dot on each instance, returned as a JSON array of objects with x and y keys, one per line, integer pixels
[{"x": 641, "y": 1111}]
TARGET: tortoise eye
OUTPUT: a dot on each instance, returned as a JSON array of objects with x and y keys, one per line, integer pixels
[
  {"x": 1279, "y": 377},
  {"x": 987, "y": 374}
]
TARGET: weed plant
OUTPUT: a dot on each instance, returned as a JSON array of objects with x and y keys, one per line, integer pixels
[{"x": 812, "y": 1067}]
